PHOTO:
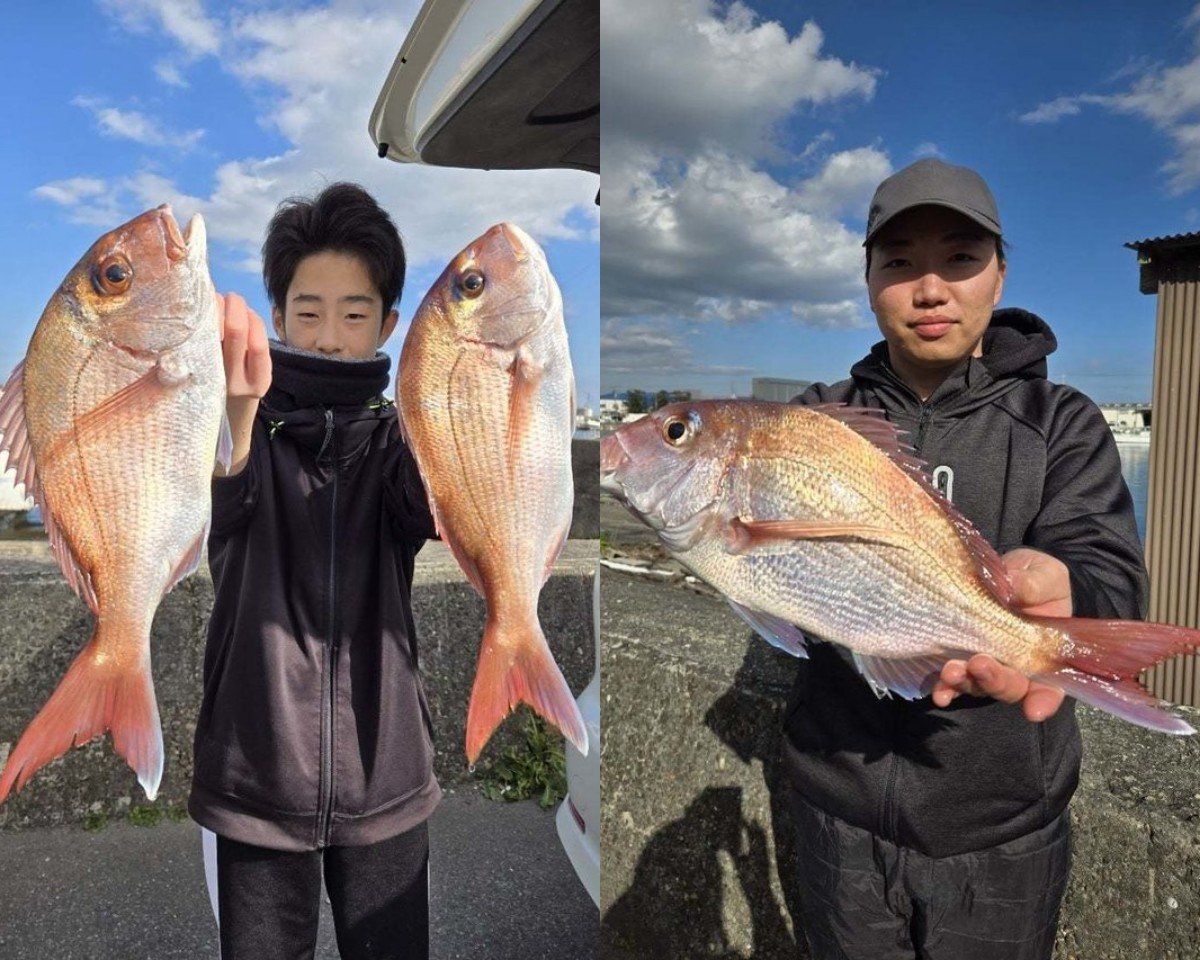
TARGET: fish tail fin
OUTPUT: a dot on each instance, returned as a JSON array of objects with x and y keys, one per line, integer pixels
[
  {"x": 516, "y": 666},
  {"x": 95, "y": 695},
  {"x": 1101, "y": 660}
]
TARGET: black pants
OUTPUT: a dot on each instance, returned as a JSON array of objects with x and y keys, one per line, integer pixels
[
  {"x": 863, "y": 898},
  {"x": 270, "y": 899}
]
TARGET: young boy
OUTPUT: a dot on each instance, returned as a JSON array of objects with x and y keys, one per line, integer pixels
[
  {"x": 939, "y": 827},
  {"x": 313, "y": 746}
]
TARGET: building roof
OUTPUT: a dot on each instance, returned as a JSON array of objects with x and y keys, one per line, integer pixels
[
  {"x": 1154, "y": 244},
  {"x": 1172, "y": 259}
]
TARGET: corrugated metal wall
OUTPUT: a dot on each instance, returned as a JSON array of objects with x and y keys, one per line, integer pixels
[{"x": 1173, "y": 510}]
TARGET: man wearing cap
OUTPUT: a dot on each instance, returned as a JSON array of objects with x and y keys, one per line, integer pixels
[{"x": 938, "y": 828}]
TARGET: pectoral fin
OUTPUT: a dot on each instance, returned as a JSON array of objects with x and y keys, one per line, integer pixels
[
  {"x": 743, "y": 535},
  {"x": 144, "y": 390},
  {"x": 525, "y": 376}
]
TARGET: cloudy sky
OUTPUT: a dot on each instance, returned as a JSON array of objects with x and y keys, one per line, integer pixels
[
  {"x": 114, "y": 106},
  {"x": 742, "y": 142}
]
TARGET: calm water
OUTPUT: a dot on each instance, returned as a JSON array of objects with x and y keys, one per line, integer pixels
[{"x": 1135, "y": 467}]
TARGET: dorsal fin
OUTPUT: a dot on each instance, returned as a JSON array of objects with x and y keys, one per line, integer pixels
[
  {"x": 14, "y": 436},
  {"x": 16, "y": 448},
  {"x": 872, "y": 424}
]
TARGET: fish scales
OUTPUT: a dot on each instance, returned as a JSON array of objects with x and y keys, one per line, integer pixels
[{"x": 777, "y": 483}]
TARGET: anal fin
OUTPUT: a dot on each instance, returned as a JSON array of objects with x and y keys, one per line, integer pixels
[{"x": 909, "y": 677}]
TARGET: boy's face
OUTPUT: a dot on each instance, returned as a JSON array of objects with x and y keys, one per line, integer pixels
[
  {"x": 333, "y": 308},
  {"x": 933, "y": 282}
]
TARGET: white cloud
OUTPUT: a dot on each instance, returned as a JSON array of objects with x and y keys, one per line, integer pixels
[
  {"x": 88, "y": 200},
  {"x": 845, "y": 183},
  {"x": 1168, "y": 97},
  {"x": 182, "y": 20},
  {"x": 170, "y": 73},
  {"x": 1052, "y": 111},
  {"x": 654, "y": 350},
  {"x": 316, "y": 73},
  {"x": 694, "y": 228},
  {"x": 699, "y": 78},
  {"x": 928, "y": 149},
  {"x": 136, "y": 126},
  {"x": 72, "y": 191}
]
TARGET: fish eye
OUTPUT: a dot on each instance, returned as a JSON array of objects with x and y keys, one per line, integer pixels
[
  {"x": 112, "y": 276},
  {"x": 471, "y": 283},
  {"x": 675, "y": 430}
]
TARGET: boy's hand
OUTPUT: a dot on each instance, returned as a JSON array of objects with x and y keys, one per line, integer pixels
[
  {"x": 247, "y": 373},
  {"x": 1041, "y": 587},
  {"x": 244, "y": 344}
]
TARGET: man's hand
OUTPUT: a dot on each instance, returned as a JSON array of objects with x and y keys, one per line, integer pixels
[
  {"x": 1041, "y": 587},
  {"x": 247, "y": 373}
]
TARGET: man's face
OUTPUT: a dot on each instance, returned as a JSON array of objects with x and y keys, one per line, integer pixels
[
  {"x": 933, "y": 281},
  {"x": 333, "y": 308}
]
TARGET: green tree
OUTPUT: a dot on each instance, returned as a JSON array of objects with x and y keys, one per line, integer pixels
[
  {"x": 661, "y": 399},
  {"x": 637, "y": 401}
]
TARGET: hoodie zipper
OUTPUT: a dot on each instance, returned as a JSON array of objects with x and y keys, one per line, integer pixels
[
  {"x": 922, "y": 425},
  {"x": 325, "y": 805}
]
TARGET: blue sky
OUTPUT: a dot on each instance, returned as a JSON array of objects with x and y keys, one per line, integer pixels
[
  {"x": 742, "y": 142},
  {"x": 114, "y": 106}
]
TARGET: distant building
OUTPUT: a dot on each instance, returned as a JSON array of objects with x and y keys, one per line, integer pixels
[
  {"x": 777, "y": 389},
  {"x": 613, "y": 408},
  {"x": 1126, "y": 416}
]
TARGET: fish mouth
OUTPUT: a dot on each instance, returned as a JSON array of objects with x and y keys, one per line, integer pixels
[
  {"x": 176, "y": 244},
  {"x": 191, "y": 244},
  {"x": 613, "y": 456}
]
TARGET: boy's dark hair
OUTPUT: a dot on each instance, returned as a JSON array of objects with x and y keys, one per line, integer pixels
[
  {"x": 343, "y": 218},
  {"x": 1001, "y": 246}
]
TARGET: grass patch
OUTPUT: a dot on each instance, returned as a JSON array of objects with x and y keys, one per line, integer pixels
[
  {"x": 177, "y": 814},
  {"x": 95, "y": 821},
  {"x": 537, "y": 765},
  {"x": 605, "y": 541},
  {"x": 145, "y": 816}
]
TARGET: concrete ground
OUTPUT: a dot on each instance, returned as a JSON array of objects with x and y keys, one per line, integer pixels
[{"x": 501, "y": 887}]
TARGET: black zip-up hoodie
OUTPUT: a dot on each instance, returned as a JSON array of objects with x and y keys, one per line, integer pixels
[
  {"x": 313, "y": 728},
  {"x": 1030, "y": 463}
]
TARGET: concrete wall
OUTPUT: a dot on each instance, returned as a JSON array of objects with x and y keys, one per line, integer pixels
[
  {"x": 43, "y": 625},
  {"x": 695, "y": 835}
]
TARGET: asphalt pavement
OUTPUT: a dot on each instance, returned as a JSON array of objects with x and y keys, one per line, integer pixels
[{"x": 500, "y": 887}]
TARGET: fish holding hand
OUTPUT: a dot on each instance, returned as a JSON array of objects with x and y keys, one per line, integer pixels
[
  {"x": 111, "y": 423},
  {"x": 818, "y": 520}
]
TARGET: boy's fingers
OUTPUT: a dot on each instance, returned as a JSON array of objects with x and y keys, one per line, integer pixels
[{"x": 258, "y": 357}]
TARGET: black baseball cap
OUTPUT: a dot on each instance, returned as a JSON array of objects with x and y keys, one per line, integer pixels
[{"x": 931, "y": 181}]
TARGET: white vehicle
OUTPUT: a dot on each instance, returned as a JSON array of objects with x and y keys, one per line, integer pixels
[
  {"x": 495, "y": 84},
  {"x": 509, "y": 84},
  {"x": 578, "y": 817}
]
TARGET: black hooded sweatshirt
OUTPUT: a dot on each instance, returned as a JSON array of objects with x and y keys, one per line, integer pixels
[
  {"x": 314, "y": 730},
  {"x": 1029, "y": 463}
]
